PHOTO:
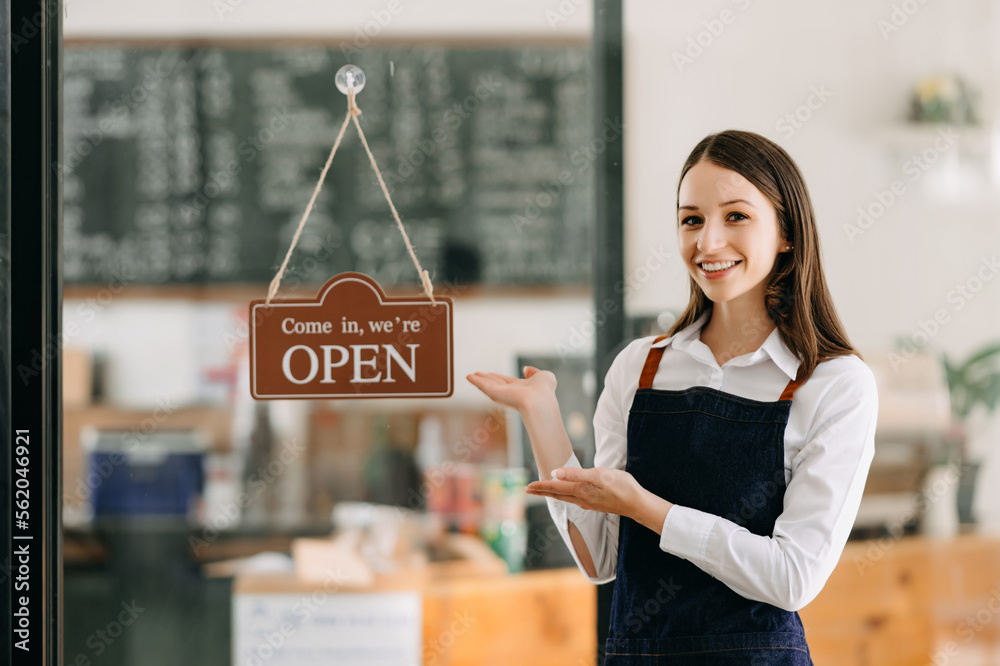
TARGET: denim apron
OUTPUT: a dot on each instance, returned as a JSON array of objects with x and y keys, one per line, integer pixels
[{"x": 723, "y": 454}]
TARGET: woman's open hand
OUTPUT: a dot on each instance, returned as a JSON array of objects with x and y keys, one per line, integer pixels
[
  {"x": 597, "y": 489},
  {"x": 536, "y": 386},
  {"x": 605, "y": 489}
]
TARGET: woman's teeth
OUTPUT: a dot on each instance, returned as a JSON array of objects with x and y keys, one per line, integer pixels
[{"x": 717, "y": 266}]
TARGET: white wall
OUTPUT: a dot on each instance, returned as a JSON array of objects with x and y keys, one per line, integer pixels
[{"x": 764, "y": 64}]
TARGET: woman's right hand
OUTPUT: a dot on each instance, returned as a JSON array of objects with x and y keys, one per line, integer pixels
[
  {"x": 535, "y": 398},
  {"x": 536, "y": 387}
]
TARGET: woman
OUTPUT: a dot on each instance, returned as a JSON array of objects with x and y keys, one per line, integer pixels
[{"x": 718, "y": 504}]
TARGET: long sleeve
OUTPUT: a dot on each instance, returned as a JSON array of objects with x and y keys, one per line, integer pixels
[
  {"x": 599, "y": 529},
  {"x": 821, "y": 500}
]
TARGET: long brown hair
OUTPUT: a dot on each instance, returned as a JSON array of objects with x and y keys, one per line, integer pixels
[{"x": 796, "y": 296}]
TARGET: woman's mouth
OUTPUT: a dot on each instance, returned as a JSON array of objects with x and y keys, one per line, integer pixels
[{"x": 713, "y": 270}]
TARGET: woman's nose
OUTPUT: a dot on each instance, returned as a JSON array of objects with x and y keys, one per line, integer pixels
[{"x": 713, "y": 237}]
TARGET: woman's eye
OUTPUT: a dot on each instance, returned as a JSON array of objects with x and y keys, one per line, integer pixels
[{"x": 697, "y": 220}]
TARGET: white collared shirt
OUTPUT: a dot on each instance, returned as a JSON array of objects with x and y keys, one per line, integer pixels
[{"x": 829, "y": 444}]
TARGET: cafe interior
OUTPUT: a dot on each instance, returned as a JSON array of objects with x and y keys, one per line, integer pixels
[{"x": 524, "y": 157}]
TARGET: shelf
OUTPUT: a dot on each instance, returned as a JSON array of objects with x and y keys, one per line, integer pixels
[{"x": 920, "y": 136}]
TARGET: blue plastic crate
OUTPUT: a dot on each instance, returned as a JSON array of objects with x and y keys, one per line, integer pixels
[{"x": 161, "y": 475}]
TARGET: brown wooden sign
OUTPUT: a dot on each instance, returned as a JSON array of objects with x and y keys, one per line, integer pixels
[{"x": 351, "y": 341}]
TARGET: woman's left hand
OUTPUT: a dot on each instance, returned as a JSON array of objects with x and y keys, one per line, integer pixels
[{"x": 597, "y": 489}]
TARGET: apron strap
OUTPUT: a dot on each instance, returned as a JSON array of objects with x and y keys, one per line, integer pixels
[
  {"x": 652, "y": 363},
  {"x": 656, "y": 353}
]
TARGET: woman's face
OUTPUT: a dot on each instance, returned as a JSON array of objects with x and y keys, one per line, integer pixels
[{"x": 735, "y": 222}]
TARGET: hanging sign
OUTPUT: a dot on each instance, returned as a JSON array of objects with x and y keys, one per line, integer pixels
[{"x": 351, "y": 341}]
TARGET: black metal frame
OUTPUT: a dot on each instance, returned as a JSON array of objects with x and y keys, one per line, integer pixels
[
  {"x": 609, "y": 253},
  {"x": 5, "y": 580},
  {"x": 31, "y": 293}
]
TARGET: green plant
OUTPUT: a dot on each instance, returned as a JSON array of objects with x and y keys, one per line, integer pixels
[{"x": 976, "y": 381}]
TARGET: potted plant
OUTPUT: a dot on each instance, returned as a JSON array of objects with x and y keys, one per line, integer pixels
[
  {"x": 974, "y": 386},
  {"x": 944, "y": 98}
]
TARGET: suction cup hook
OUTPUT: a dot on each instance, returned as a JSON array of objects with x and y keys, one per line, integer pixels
[{"x": 350, "y": 76}]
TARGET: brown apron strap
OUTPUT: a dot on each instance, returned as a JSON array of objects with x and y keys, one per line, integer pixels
[
  {"x": 652, "y": 363},
  {"x": 793, "y": 384},
  {"x": 656, "y": 353}
]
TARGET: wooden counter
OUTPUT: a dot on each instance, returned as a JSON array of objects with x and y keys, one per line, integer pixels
[
  {"x": 532, "y": 618},
  {"x": 908, "y": 601}
]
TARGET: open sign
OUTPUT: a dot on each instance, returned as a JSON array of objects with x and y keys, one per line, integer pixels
[{"x": 351, "y": 341}]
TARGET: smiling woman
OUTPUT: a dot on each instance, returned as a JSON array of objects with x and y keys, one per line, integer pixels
[
  {"x": 741, "y": 500},
  {"x": 729, "y": 247}
]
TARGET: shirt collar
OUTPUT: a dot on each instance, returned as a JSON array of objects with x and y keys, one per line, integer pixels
[{"x": 774, "y": 347}]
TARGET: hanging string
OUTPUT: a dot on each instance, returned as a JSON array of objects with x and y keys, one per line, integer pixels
[
  {"x": 352, "y": 113},
  {"x": 424, "y": 277},
  {"x": 273, "y": 288}
]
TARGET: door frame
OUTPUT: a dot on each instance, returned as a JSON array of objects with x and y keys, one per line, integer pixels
[{"x": 31, "y": 333}]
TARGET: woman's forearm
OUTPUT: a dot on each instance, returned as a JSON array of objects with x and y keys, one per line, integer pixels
[
  {"x": 581, "y": 550},
  {"x": 549, "y": 441},
  {"x": 551, "y": 447},
  {"x": 650, "y": 511}
]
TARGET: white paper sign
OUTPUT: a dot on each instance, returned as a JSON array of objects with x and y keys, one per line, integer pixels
[{"x": 370, "y": 629}]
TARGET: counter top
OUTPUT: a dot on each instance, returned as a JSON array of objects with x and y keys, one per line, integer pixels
[{"x": 910, "y": 601}]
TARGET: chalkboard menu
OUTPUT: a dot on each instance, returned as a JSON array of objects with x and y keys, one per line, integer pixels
[{"x": 194, "y": 165}]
